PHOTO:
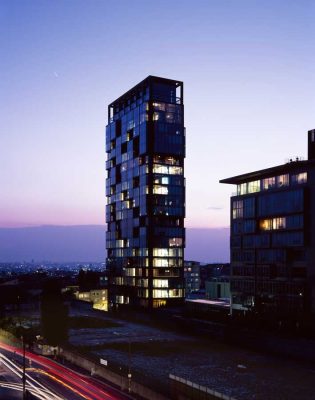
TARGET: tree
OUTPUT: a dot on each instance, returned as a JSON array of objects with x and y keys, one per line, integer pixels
[
  {"x": 54, "y": 314},
  {"x": 88, "y": 280}
]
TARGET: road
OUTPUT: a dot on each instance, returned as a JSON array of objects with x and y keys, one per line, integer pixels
[{"x": 49, "y": 380}]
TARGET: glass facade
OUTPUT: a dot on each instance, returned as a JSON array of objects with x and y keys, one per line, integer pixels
[
  {"x": 272, "y": 182},
  {"x": 272, "y": 242},
  {"x": 268, "y": 243},
  {"x": 145, "y": 189}
]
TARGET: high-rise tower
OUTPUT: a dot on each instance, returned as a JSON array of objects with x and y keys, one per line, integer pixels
[{"x": 145, "y": 188}]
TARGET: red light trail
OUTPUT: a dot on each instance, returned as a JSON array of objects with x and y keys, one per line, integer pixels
[{"x": 77, "y": 383}]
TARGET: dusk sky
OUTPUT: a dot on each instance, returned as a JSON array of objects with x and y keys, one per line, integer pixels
[{"x": 248, "y": 72}]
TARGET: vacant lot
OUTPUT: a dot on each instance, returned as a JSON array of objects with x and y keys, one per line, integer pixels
[{"x": 154, "y": 353}]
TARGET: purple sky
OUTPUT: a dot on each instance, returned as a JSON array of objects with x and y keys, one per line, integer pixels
[{"x": 248, "y": 70}]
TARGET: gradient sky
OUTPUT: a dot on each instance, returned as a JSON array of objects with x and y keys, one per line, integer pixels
[{"x": 248, "y": 71}]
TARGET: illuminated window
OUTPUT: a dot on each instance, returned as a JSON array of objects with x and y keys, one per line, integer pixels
[
  {"x": 168, "y": 160},
  {"x": 160, "y": 262},
  {"x": 175, "y": 242},
  {"x": 124, "y": 166},
  {"x": 279, "y": 223},
  {"x": 237, "y": 209},
  {"x": 159, "y": 303},
  {"x": 269, "y": 183},
  {"x": 175, "y": 170},
  {"x": 171, "y": 160},
  {"x": 249, "y": 187},
  {"x": 175, "y": 292},
  {"x": 160, "y": 252},
  {"x": 175, "y": 252},
  {"x": 265, "y": 224},
  {"x": 283, "y": 180},
  {"x": 142, "y": 283},
  {"x": 120, "y": 299},
  {"x": 159, "y": 106},
  {"x": 160, "y": 283},
  {"x": 159, "y": 293},
  {"x": 253, "y": 187},
  {"x": 242, "y": 189},
  {"x": 299, "y": 178},
  {"x": 167, "y": 170},
  {"x": 274, "y": 223},
  {"x": 130, "y": 271},
  {"x": 160, "y": 169},
  {"x": 157, "y": 189}
]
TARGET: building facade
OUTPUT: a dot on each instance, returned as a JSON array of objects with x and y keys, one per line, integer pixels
[
  {"x": 145, "y": 189},
  {"x": 273, "y": 238},
  {"x": 192, "y": 276},
  {"x": 98, "y": 298},
  {"x": 218, "y": 288},
  {"x": 212, "y": 271}
]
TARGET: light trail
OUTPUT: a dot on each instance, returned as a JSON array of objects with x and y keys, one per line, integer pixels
[
  {"x": 37, "y": 386},
  {"x": 76, "y": 382},
  {"x": 41, "y": 371},
  {"x": 19, "y": 387}
]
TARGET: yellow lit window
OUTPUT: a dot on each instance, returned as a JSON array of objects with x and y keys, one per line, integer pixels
[
  {"x": 164, "y": 169},
  {"x": 160, "y": 169},
  {"x": 175, "y": 170},
  {"x": 159, "y": 303},
  {"x": 265, "y": 224},
  {"x": 253, "y": 187},
  {"x": 160, "y": 262},
  {"x": 160, "y": 283},
  {"x": 160, "y": 252},
  {"x": 175, "y": 293},
  {"x": 157, "y": 189},
  {"x": 160, "y": 293}
]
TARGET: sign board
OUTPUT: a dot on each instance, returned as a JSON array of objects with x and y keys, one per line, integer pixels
[{"x": 103, "y": 362}]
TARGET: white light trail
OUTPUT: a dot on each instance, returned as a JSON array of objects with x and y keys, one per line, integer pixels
[{"x": 32, "y": 383}]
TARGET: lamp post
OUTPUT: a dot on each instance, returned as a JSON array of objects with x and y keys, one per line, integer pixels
[
  {"x": 23, "y": 375},
  {"x": 129, "y": 366}
]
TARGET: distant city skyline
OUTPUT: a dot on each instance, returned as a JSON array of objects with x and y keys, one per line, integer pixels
[
  {"x": 248, "y": 70},
  {"x": 83, "y": 243}
]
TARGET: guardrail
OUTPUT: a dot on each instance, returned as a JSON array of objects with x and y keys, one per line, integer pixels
[{"x": 209, "y": 393}]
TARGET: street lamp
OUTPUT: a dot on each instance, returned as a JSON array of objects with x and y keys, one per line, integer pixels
[
  {"x": 129, "y": 366},
  {"x": 23, "y": 375}
]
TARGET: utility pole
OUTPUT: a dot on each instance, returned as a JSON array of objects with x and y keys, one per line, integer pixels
[
  {"x": 23, "y": 376},
  {"x": 129, "y": 366}
]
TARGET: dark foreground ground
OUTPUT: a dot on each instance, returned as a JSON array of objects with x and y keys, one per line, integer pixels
[{"x": 153, "y": 352}]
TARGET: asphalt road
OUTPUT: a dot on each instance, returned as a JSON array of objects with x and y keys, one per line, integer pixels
[{"x": 49, "y": 380}]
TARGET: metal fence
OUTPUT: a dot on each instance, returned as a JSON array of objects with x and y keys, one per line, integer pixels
[{"x": 191, "y": 390}]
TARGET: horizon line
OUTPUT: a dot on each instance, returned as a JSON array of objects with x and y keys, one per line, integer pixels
[{"x": 21, "y": 226}]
